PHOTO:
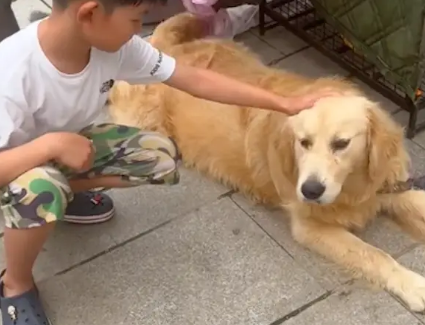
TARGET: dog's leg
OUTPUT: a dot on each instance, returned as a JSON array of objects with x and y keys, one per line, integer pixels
[
  {"x": 407, "y": 209},
  {"x": 363, "y": 260}
]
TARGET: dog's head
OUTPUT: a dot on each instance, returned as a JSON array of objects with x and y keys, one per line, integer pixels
[{"x": 344, "y": 145}]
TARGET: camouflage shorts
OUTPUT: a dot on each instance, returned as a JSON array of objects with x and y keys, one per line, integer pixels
[{"x": 41, "y": 195}]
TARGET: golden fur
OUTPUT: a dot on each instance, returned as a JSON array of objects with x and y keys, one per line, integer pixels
[{"x": 348, "y": 144}]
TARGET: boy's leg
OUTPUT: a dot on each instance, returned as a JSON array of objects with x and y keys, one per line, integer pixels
[
  {"x": 89, "y": 206},
  {"x": 128, "y": 156},
  {"x": 125, "y": 152},
  {"x": 30, "y": 205},
  {"x": 136, "y": 157}
]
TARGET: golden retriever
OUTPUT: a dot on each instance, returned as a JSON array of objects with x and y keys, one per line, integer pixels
[{"x": 331, "y": 167}]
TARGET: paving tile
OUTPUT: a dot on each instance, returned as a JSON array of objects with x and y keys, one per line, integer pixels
[
  {"x": 282, "y": 40},
  {"x": 415, "y": 259},
  {"x": 68, "y": 246},
  {"x": 267, "y": 53},
  {"x": 213, "y": 266},
  {"x": 311, "y": 63},
  {"x": 354, "y": 306},
  {"x": 140, "y": 209},
  {"x": 276, "y": 224},
  {"x": 417, "y": 156},
  {"x": 381, "y": 233},
  {"x": 386, "y": 235},
  {"x": 402, "y": 117},
  {"x": 137, "y": 210},
  {"x": 23, "y": 8},
  {"x": 387, "y": 104}
]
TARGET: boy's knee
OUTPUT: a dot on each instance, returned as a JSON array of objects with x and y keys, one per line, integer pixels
[
  {"x": 168, "y": 154},
  {"x": 35, "y": 198},
  {"x": 155, "y": 161},
  {"x": 161, "y": 143}
]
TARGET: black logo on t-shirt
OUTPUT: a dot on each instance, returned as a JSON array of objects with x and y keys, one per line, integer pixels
[
  {"x": 157, "y": 65},
  {"x": 106, "y": 86}
]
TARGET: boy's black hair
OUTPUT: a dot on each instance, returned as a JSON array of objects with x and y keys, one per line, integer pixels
[{"x": 110, "y": 4}]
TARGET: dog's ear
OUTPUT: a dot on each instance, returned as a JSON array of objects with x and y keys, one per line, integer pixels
[
  {"x": 285, "y": 147},
  {"x": 388, "y": 159},
  {"x": 281, "y": 159}
]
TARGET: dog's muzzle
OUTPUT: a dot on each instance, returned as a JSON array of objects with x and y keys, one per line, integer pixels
[{"x": 312, "y": 189}]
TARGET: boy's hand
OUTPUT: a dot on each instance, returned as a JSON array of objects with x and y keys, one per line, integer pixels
[
  {"x": 294, "y": 105},
  {"x": 70, "y": 149}
]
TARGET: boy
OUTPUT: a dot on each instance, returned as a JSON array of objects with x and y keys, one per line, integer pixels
[{"x": 55, "y": 78}]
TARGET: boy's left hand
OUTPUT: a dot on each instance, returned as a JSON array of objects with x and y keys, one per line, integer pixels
[{"x": 294, "y": 105}]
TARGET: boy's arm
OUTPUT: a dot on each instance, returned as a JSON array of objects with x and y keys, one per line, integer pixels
[
  {"x": 141, "y": 63},
  {"x": 16, "y": 161},
  {"x": 216, "y": 87}
]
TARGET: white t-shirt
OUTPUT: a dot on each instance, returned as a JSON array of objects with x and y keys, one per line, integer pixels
[{"x": 35, "y": 98}]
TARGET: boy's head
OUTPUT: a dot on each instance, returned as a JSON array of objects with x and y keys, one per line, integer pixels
[{"x": 105, "y": 24}]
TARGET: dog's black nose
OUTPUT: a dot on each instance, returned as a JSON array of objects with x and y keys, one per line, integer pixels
[{"x": 312, "y": 189}]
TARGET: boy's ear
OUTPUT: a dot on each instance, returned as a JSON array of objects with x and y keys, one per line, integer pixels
[{"x": 89, "y": 11}]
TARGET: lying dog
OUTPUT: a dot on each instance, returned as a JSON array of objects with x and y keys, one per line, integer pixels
[{"x": 332, "y": 167}]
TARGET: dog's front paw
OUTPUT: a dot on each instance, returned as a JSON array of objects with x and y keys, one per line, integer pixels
[{"x": 410, "y": 287}]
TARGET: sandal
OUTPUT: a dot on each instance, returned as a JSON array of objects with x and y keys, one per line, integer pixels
[{"x": 25, "y": 309}]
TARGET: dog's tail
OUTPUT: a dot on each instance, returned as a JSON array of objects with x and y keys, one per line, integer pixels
[
  {"x": 179, "y": 29},
  {"x": 37, "y": 15}
]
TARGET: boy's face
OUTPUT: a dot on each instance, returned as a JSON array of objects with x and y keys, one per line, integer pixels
[{"x": 109, "y": 31}]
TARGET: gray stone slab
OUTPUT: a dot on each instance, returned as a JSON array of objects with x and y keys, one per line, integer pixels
[
  {"x": 23, "y": 8},
  {"x": 311, "y": 63},
  {"x": 213, "y": 266},
  {"x": 417, "y": 156},
  {"x": 402, "y": 117},
  {"x": 355, "y": 306},
  {"x": 68, "y": 246},
  {"x": 415, "y": 259},
  {"x": 137, "y": 211},
  {"x": 282, "y": 40},
  {"x": 382, "y": 234},
  {"x": 140, "y": 209},
  {"x": 387, "y": 104},
  {"x": 267, "y": 53}
]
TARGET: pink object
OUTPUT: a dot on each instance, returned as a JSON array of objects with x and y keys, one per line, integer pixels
[
  {"x": 205, "y": 2},
  {"x": 218, "y": 23}
]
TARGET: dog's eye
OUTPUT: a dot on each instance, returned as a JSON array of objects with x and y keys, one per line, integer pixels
[
  {"x": 305, "y": 143},
  {"x": 340, "y": 144}
]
